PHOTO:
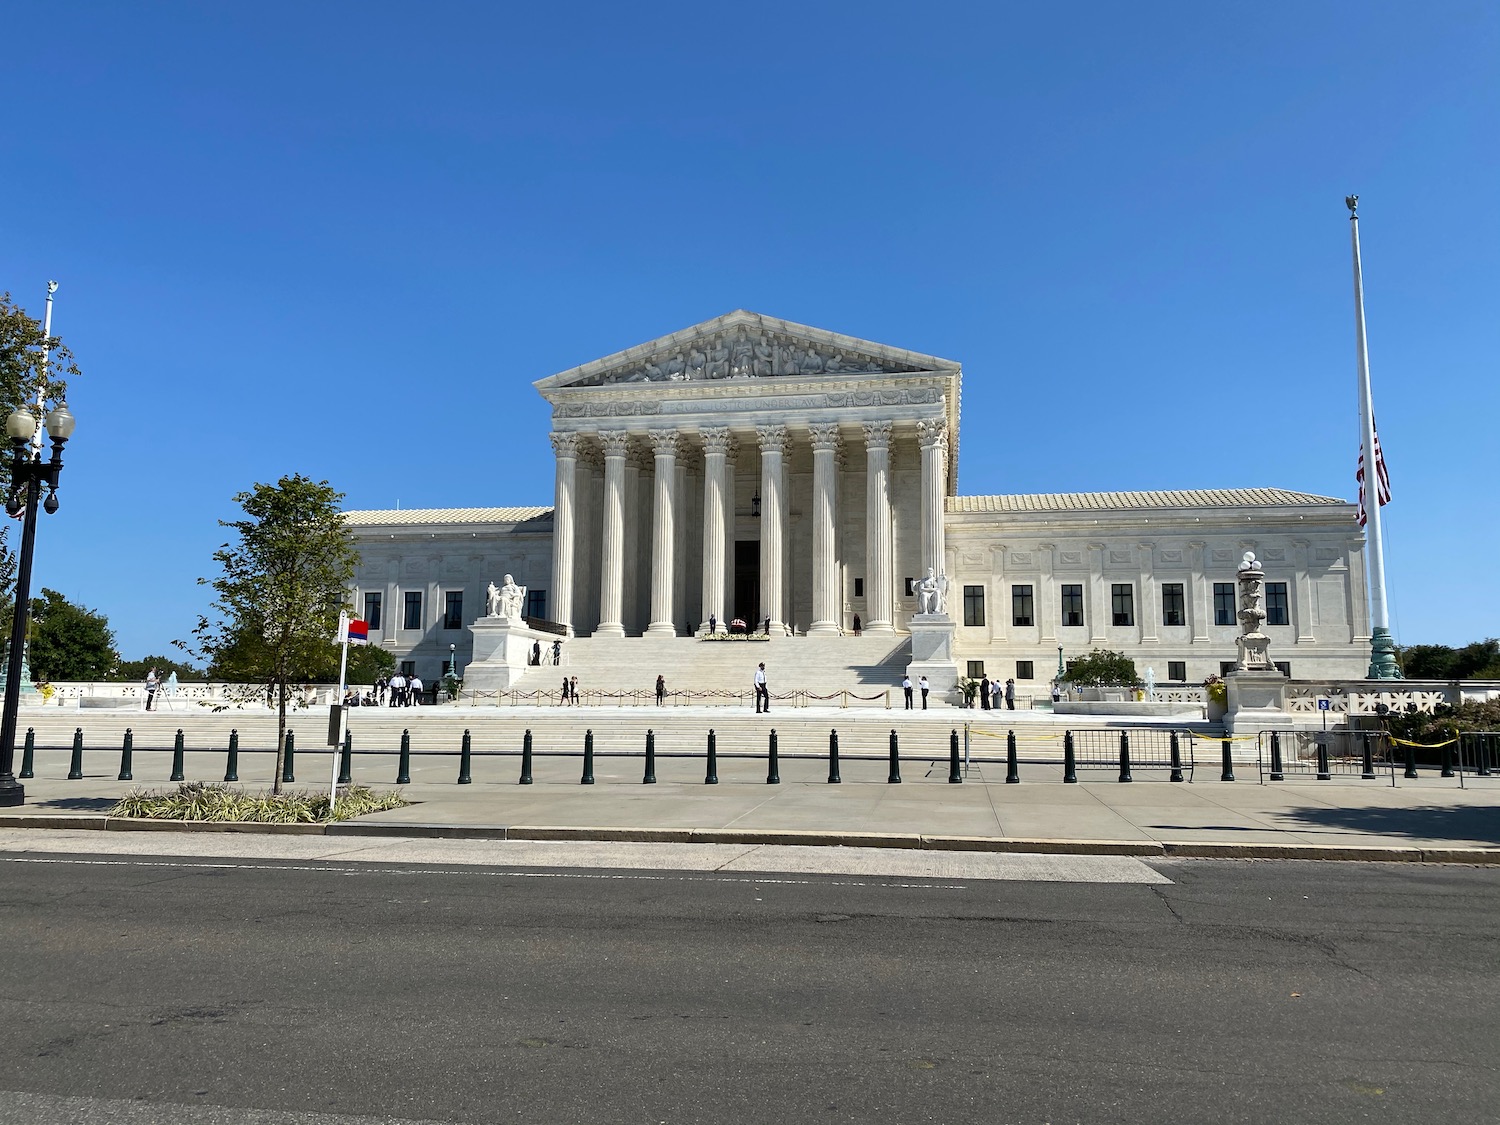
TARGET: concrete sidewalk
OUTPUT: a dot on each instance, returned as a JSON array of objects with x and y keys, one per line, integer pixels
[{"x": 1425, "y": 819}]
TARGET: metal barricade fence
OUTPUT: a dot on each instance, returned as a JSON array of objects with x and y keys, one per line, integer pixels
[
  {"x": 1131, "y": 748},
  {"x": 1303, "y": 755},
  {"x": 1478, "y": 756}
]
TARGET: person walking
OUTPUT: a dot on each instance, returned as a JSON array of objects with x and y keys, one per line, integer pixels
[
  {"x": 152, "y": 683},
  {"x": 906, "y": 690},
  {"x": 556, "y": 653},
  {"x": 984, "y": 693},
  {"x": 923, "y": 683},
  {"x": 661, "y": 691},
  {"x": 762, "y": 693},
  {"x": 1010, "y": 695},
  {"x": 567, "y": 693},
  {"x": 573, "y": 692},
  {"x": 414, "y": 689}
]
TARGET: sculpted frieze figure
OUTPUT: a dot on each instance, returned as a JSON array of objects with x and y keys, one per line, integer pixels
[
  {"x": 743, "y": 354},
  {"x": 932, "y": 593}
]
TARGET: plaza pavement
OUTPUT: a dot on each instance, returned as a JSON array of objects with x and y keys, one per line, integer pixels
[{"x": 1428, "y": 819}]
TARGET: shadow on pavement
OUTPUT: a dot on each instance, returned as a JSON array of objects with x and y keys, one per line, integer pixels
[
  {"x": 1477, "y": 823},
  {"x": 80, "y": 804}
]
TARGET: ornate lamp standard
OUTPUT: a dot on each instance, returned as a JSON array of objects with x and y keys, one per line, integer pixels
[{"x": 27, "y": 476}]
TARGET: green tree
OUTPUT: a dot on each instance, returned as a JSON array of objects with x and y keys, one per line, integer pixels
[
  {"x": 283, "y": 580},
  {"x": 29, "y": 360},
  {"x": 367, "y": 663},
  {"x": 1477, "y": 661},
  {"x": 134, "y": 671},
  {"x": 70, "y": 642},
  {"x": 1101, "y": 666}
]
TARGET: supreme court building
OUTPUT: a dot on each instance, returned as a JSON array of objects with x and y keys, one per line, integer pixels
[{"x": 751, "y": 468}]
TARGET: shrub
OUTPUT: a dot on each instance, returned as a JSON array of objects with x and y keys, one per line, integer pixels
[
  {"x": 1101, "y": 666},
  {"x": 196, "y": 800},
  {"x": 1445, "y": 722}
]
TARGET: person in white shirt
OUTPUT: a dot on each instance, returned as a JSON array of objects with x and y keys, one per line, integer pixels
[
  {"x": 923, "y": 684},
  {"x": 762, "y": 693},
  {"x": 398, "y": 685},
  {"x": 414, "y": 686},
  {"x": 906, "y": 690}
]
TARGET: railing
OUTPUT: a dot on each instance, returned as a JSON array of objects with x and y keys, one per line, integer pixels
[
  {"x": 644, "y": 697},
  {"x": 1300, "y": 755}
]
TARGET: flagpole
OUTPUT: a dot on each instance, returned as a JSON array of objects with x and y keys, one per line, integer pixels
[{"x": 1382, "y": 646}]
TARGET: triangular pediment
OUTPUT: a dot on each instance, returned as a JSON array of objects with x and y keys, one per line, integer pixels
[{"x": 746, "y": 346}]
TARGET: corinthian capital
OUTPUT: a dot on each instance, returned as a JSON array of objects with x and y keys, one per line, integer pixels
[
  {"x": 772, "y": 438},
  {"x": 565, "y": 444},
  {"x": 616, "y": 443},
  {"x": 877, "y": 435},
  {"x": 715, "y": 439},
  {"x": 825, "y": 435},
  {"x": 932, "y": 432},
  {"x": 665, "y": 442}
]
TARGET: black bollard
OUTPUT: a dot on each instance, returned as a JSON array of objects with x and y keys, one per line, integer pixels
[
  {"x": 75, "y": 767},
  {"x": 773, "y": 762},
  {"x": 1481, "y": 753},
  {"x": 833, "y": 758},
  {"x": 403, "y": 764},
  {"x": 1368, "y": 772},
  {"x": 1125, "y": 757},
  {"x": 466, "y": 760},
  {"x": 1323, "y": 774},
  {"x": 346, "y": 760},
  {"x": 1411, "y": 760},
  {"x": 1176, "y": 759},
  {"x": 895, "y": 776},
  {"x": 955, "y": 774},
  {"x": 289, "y": 759},
  {"x": 1226, "y": 770},
  {"x": 28, "y": 755},
  {"x": 177, "y": 771},
  {"x": 232, "y": 760},
  {"x": 711, "y": 776},
  {"x": 1070, "y": 762},
  {"x": 1012, "y": 763},
  {"x": 649, "y": 778},
  {"x": 588, "y": 758},
  {"x": 127, "y": 750},
  {"x": 1447, "y": 760},
  {"x": 1277, "y": 773}
]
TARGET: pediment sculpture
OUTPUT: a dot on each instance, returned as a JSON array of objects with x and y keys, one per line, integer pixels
[{"x": 743, "y": 354}]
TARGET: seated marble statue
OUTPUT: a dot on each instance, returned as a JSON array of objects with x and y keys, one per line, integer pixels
[
  {"x": 931, "y": 592},
  {"x": 512, "y": 598}
]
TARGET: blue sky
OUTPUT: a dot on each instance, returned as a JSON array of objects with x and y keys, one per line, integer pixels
[{"x": 343, "y": 240}]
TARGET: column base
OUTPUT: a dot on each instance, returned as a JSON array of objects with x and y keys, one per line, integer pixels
[
  {"x": 823, "y": 629},
  {"x": 879, "y": 629},
  {"x": 610, "y": 629},
  {"x": 1382, "y": 656},
  {"x": 661, "y": 629}
]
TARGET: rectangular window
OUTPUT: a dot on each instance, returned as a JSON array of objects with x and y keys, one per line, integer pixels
[
  {"x": 1173, "y": 611},
  {"x": 1177, "y": 671},
  {"x": 1020, "y": 605},
  {"x": 859, "y": 587},
  {"x": 1276, "y": 608},
  {"x": 1122, "y": 603},
  {"x": 976, "y": 669},
  {"x": 910, "y": 589},
  {"x": 1223, "y": 603},
  {"x": 1072, "y": 605},
  {"x": 372, "y": 610},
  {"x": 536, "y": 604},
  {"x": 1023, "y": 670},
  {"x": 1284, "y": 667},
  {"x": 413, "y": 610},
  {"x": 973, "y": 605},
  {"x": 408, "y": 667},
  {"x": 453, "y": 610}
]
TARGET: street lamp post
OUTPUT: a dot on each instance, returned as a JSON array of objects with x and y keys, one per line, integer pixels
[
  {"x": 453, "y": 661},
  {"x": 28, "y": 473},
  {"x": 1061, "y": 670}
]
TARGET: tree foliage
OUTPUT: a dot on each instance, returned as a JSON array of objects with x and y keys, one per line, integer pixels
[
  {"x": 1477, "y": 661},
  {"x": 134, "y": 671},
  {"x": 1444, "y": 722},
  {"x": 1101, "y": 666},
  {"x": 70, "y": 642},
  {"x": 284, "y": 577}
]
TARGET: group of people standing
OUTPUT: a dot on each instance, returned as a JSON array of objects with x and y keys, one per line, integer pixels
[
  {"x": 399, "y": 690},
  {"x": 906, "y": 689},
  {"x": 992, "y": 693},
  {"x": 569, "y": 692}
]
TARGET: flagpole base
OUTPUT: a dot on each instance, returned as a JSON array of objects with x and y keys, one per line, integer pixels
[{"x": 1383, "y": 656}]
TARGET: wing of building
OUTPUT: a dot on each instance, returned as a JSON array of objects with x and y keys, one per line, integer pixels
[{"x": 753, "y": 469}]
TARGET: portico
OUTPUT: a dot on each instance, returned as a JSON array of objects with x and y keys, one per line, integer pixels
[{"x": 752, "y": 429}]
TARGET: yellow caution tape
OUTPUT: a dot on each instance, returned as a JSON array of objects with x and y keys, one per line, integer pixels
[{"x": 1424, "y": 745}]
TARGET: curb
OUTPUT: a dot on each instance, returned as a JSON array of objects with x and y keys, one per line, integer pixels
[{"x": 1166, "y": 849}]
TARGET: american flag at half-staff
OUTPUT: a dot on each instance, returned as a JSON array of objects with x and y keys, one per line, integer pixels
[{"x": 1382, "y": 479}]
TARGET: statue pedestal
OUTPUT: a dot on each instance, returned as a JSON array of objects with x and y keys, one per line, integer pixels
[
  {"x": 1257, "y": 702},
  {"x": 932, "y": 652},
  {"x": 502, "y": 652}
]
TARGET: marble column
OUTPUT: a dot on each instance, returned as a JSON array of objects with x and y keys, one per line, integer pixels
[
  {"x": 663, "y": 515},
  {"x": 565, "y": 446},
  {"x": 772, "y": 523},
  {"x": 1301, "y": 601},
  {"x": 880, "y": 579},
  {"x": 932, "y": 433},
  {"x": 715, "y": 467},
  {"x": 825, "y": 599},
  {"x": 1201, "y": 610},
  {"x": 1150, "y": 615},
  {"x": 612, "y": 579}
]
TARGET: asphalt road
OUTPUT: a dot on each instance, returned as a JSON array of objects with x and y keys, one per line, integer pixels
[{"x": 266, "y": 993}]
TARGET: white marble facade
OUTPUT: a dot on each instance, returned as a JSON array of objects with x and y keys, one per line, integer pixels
[{"x": 754, "y": 467}]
